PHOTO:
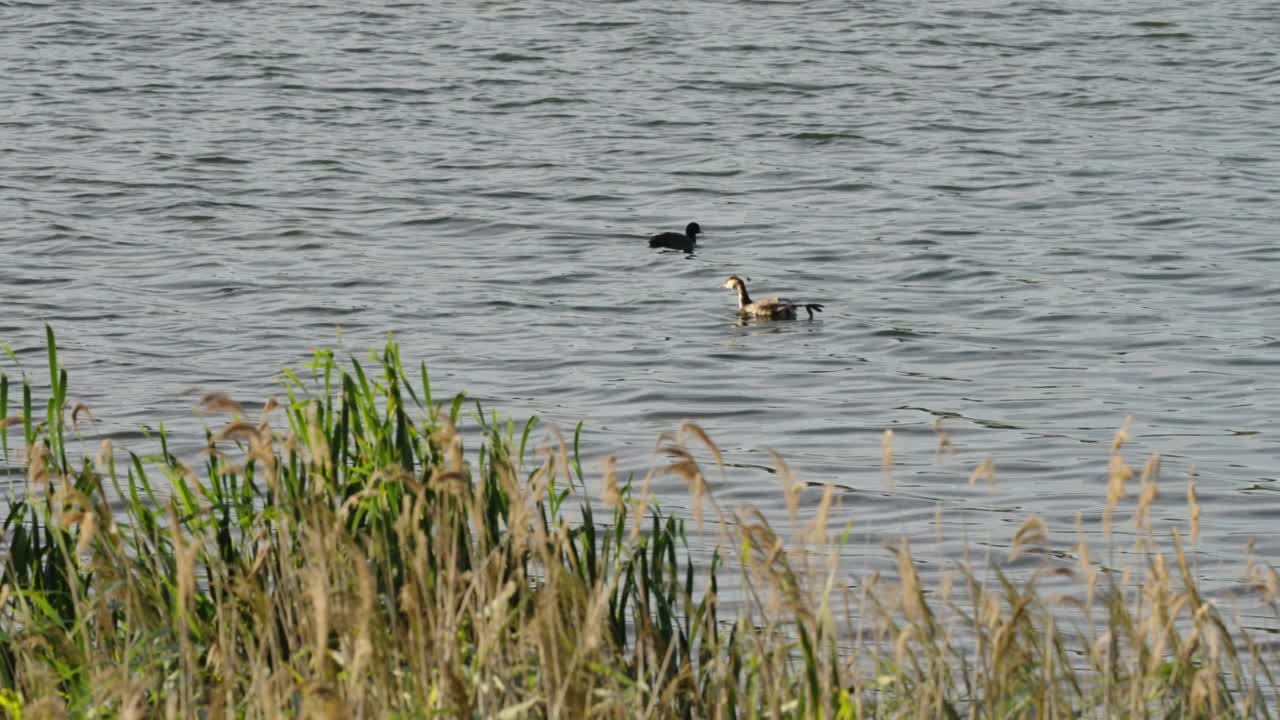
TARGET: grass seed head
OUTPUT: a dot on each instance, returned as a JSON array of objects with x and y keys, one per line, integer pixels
[
  {"x": 75, "y": 415},
  {"x": 886, "y": 458},
  {"x": 1033, "y": 531},
  {"x": 1148, "y": 493},
  {"x": 945, "y": 444},
  {"x": 38, "y": 464},
  {"x": 102, "y": 461},
  {"x": 220, "y": 402},
  {"x": 791, "y": 487},
  {"x": 986, "y": 470},
  {"x": 609, "y": 493},
  {"x": 1193, "y": 507}
]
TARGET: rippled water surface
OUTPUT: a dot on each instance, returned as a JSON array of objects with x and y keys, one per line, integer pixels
[{"x": 1031, "y": 219}]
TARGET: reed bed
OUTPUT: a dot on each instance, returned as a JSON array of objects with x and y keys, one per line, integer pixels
[{"x": 340, "y": 554}]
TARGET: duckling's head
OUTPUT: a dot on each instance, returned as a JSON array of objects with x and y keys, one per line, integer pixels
[
  {"x": 734, "y": 283},
  {"x": 692, "y": 229}
]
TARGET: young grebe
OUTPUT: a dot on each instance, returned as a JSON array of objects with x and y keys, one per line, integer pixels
[
  {"x": 677, "y": 241},
  {"x": 774, "y": 308}
]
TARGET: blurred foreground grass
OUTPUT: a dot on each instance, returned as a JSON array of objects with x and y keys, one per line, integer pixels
[{"x": 341, "y": 555}]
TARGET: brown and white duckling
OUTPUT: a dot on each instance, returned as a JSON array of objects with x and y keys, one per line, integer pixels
[
  {"x": 677, "y": 241},
  {"x": 772, "y": 308}
]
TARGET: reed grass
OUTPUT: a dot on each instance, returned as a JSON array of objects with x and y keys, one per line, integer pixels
[{"x": 340, "y": 554}]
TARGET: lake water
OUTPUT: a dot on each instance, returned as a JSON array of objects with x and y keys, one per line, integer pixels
[{"x": 1033, "y": 219}]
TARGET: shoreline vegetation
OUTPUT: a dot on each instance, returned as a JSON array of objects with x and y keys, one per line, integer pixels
[{"x": 340, "y": 554}]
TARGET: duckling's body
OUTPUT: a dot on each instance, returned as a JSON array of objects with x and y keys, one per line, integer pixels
[
  {"x": 677, "y": 241},
  {"x": 771, "y": 308}
]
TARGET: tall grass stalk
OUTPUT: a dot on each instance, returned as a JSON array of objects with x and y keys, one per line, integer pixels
[{"x": 340, "y": 554}]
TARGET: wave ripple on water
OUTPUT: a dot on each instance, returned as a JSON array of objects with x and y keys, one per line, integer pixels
[{"x": 1030, "y": 221}]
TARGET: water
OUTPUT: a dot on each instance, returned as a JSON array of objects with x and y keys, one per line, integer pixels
[{"x": 1032, "y": 219}]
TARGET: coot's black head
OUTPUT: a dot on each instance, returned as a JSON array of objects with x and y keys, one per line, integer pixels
[{"x": 692, "y": 229}]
